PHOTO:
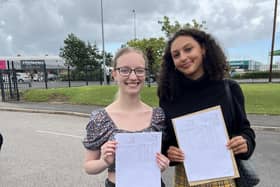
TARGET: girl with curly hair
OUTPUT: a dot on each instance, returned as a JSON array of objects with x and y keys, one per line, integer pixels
[{"x": 192, "y": 79}]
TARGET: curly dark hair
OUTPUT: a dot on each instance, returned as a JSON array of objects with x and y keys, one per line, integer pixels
[{"x": 214, "y": 62}]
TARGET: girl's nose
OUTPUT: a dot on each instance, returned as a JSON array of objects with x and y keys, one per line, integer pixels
[
  {"x": 132, "y": 75},
  {"x": 184, "y": 56}
]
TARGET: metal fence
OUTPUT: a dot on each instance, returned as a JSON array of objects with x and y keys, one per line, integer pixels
[{"x": 8, "y": 83}]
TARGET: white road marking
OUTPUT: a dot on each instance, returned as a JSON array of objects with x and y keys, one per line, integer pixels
[{"x": 59, "y": 134}]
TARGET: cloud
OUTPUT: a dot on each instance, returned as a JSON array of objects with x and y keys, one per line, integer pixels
[{"x": 39, "y": 27}]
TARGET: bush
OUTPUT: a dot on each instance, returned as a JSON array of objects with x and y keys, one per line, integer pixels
[
  {"x": 75, "y": 75},
  {"x": 256, "y": 75}
]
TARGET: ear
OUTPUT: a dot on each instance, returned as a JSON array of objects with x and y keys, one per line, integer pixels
[
  {"x": 114, "y": 74},
  {"x": 203, "y": 51}
]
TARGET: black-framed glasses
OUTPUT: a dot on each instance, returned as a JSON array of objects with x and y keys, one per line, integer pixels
[{"x": 126, "y": 71}]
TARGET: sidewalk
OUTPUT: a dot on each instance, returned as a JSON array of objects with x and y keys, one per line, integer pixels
[{"x": 259, "y": 122}]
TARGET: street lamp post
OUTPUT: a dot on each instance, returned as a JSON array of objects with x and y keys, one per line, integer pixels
[
  {"x": 134, "y": 23},
  {"x": 103, "y": 51},
  {"x": 272, "y": 43}
]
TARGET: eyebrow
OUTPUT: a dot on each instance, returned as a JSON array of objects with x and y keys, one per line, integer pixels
[{"x": 186, "y": 45}]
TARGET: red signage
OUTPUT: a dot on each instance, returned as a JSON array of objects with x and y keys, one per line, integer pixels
[{"x": 2, "y": 64}]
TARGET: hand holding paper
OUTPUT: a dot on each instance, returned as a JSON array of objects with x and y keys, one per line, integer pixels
[
  {"x": 175, "y": 154},
  {"x": 203, "y": 137},
  {"x": 238, "y": 144},
  {"x": 108, "y": 150}
]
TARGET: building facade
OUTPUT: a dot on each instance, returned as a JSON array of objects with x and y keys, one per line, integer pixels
[{"x": 34, "y": 63}]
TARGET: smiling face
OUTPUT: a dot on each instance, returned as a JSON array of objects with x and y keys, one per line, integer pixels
[
  {"x": 187, "y": 55},
  {"x": 131, "y": 83}
]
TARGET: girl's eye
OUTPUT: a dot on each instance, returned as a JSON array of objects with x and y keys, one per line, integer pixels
[
  {"x": 176, "y": 55},
  {"x": 188, "y": 49}
]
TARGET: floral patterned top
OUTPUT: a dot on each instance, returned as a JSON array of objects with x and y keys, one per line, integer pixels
[{"x": 101, "y": 128}]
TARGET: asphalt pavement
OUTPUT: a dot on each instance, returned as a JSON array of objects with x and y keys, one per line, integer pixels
[
  {"x": 258, "y": 122},
  {"x": 266, "y": 154}
]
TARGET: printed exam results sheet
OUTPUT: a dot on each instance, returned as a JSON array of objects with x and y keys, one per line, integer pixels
[
  {"x": 203, "y": 137},
  {"x": 136, "y": 159}
]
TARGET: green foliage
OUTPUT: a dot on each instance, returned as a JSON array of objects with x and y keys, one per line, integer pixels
[
  {"x": 108, "y": 59},
  {"x": 256, "y": 75},
  {"x": 82, "y": 75},
  {"x": 169, "y": 28},
  {"x": 75, "y": 52},
  {"x": 86, "y": 59},
  {"x": 259, "y": 98},
  {"x": 94, "y": 57},
  {"x": 152, "y": 47}
]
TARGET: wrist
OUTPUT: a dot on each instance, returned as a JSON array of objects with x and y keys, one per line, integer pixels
[{"x": 105, "y": 162}]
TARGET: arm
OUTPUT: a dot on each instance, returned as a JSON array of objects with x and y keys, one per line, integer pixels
[
  {"x": 169, "y": 143},
  {"x": 93, "y": 164},
  {"x": 244, "y": 137},
  {"x": 97, "y": 161}
]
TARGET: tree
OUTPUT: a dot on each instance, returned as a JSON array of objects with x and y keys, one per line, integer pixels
[
  {"x": 109, "y": 58},
  {"x": 168, "y": 28},
  {"x": 75, "y": 52},
  {"x": 152, "y": 47},
  {"x": 94, "y": 56}
]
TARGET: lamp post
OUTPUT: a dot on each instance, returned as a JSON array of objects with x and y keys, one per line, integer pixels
[
  {"x": 103, "y": 51},
  {"x": 272, "y": 43},
  {"x": 134, "y": 22}
]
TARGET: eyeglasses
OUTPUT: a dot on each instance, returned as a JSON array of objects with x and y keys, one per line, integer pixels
[{"x": 126, "y": 71}]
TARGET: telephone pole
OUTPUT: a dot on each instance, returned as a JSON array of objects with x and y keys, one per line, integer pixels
[
  {"x": 134, "y": 23},
  {"x": 103, "y": 50}
]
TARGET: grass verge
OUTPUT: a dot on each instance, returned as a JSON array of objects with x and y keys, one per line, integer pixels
[{"x": 259, "y": 98}]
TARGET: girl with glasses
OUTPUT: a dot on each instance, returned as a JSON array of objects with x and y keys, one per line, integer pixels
[{"x": 126, "y": 114}]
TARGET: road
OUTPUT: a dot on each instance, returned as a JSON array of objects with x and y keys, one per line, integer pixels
[{"x": 46, "y": 150}]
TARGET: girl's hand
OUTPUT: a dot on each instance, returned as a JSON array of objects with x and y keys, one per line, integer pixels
[
  {"x": 162, "y": 161},
  {"x": 175, "y": 154},
  {"x": 238, "y": 144},
  {"x": 108, "y": 150}
]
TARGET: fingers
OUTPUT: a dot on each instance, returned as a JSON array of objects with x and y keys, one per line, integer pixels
[
  {"x": 162, "y": 161},
  {"x": 238, "y": 145},
  {"x": 108, "y": 150},
  {"x": 109, "y": 147},
  {"x": 175, "y": 154}
]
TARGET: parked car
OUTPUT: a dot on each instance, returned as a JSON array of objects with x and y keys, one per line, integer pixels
[
  {"x": 52, "y": 77},
  {"x": 23, "y": 77}
]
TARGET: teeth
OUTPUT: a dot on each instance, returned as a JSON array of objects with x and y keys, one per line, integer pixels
[{"x": 133, "y": 83}]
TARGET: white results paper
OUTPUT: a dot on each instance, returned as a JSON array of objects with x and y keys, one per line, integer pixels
[
  {"x": 136, "y": 159},
  {"x": 203, "y": 137}
]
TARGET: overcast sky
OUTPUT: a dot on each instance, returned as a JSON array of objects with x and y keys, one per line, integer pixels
[{"x": 38, "y": 27}]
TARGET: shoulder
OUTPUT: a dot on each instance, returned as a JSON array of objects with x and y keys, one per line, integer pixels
[
  {"x": 158, "y": 117},
  {"x": 98, "y": 120},
  {"x": 236, "y": 90},
  {"x": 98, "y": 115},
  {"x": 98, "y": 129},
  {"x": 232, "y": 83},
  {"x": 159, "y": 113}
]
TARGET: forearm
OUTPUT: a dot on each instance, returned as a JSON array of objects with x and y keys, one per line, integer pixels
[{"x": 94, "y": 167}]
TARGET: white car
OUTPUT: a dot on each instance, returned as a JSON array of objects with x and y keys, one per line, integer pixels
[{"x": 23, "y": 77}]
